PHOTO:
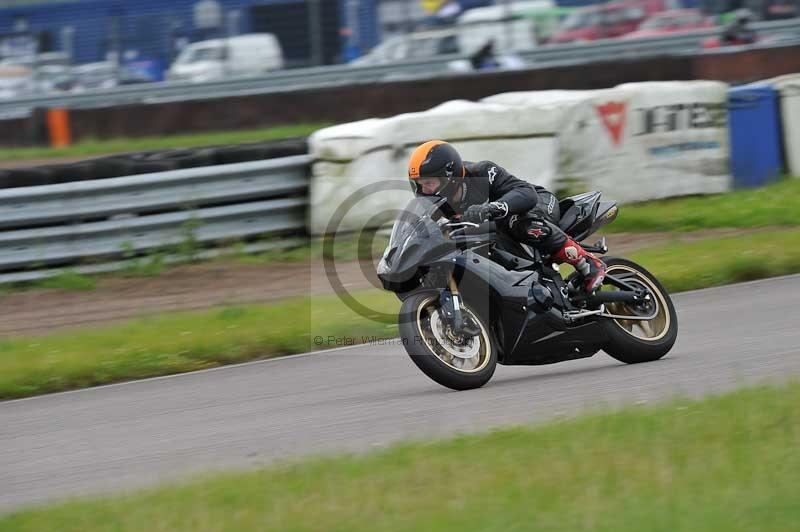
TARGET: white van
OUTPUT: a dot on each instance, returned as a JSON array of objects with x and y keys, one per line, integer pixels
[
  {"x": 513, "y": 27},
  {"x": 243, "y": 55}
]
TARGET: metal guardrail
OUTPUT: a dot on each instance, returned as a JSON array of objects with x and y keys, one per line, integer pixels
[
  {"x": 623, "y": 48},
  {"x": 68, "y": 224},
  {"x": 309, "y": 78}
]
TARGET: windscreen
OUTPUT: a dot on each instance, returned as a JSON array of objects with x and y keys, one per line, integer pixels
[
  {"x": 205, "y": 53},
  {"x": 415, "y": 213}
]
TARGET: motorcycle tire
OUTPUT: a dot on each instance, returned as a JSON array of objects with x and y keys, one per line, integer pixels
[
  {"x": 636, "y": 341},
  {"x": 416, "y": 331}
]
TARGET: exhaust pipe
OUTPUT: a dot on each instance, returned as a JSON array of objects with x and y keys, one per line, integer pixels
[{"x": 622, "y": 296}]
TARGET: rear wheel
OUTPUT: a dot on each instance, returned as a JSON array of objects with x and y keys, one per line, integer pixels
[
  {"x": 639, "y": 332},
  {"x": 451, "y": 360}
]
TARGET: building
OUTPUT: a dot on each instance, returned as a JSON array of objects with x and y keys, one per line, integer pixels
[{"x": 311, "y": 32}]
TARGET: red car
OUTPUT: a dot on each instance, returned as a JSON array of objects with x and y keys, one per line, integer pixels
[
  {"x": 669, "y": 22},
  {"x": 605, "y": 21}
]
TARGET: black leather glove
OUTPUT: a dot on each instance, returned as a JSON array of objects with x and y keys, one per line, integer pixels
[{"x": 485, "y": 212}]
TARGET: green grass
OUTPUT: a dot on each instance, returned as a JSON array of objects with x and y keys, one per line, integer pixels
[
  {"x": 716, "y": 262},
  {"x": 68, "y": 280},
  {"x": 185, "y": 341},
  {"x": 762, "y": 207},
  {"x": 106, "y": 147},
  {"x": 179, "y": 342},
  {"x": 726, "y": 463}
]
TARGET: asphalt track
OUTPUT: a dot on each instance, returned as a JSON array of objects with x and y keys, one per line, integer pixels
[{"x": 135, "y": 434}]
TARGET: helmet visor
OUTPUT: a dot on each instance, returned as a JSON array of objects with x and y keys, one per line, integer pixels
[{"x": 429, "y": 186}]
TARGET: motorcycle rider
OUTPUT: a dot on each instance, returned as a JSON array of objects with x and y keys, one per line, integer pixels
[
  {"x": 484, "y": 191},
  {"x": 739, "y": 31}
]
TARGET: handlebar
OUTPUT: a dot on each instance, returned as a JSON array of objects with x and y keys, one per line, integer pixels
[
  {"x": 474, "y": 232},
  {"x": 462, "y": 225}
]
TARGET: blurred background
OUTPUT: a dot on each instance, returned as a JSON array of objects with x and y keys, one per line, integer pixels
[
  {"x": 138, "y": 135},
  {"x": 195, "y": 183},
  {"x": 80, "y": 45}
]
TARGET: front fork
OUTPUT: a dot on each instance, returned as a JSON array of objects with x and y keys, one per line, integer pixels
[{"x": 451, "y": 307}]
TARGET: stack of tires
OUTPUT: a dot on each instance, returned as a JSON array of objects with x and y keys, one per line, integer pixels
[{"x": 150, "y": 162}]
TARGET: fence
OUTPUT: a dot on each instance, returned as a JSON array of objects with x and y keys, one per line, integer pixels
[
  {"x": 45, "y": 227},
  {"x": 309, "y": 78}
]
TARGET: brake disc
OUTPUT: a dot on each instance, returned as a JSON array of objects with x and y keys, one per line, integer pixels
[{"x": 468, "y": 349}]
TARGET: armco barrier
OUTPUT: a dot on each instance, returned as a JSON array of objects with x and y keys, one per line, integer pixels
[
  {"x": 345, "y": 103},
  {"x": 62, "y": 225}
]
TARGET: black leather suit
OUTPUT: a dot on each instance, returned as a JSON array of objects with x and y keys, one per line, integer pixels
[{"x": 532, "y": 211}]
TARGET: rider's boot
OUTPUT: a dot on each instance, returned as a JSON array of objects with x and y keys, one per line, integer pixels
[{"x": 592, "y": 269}]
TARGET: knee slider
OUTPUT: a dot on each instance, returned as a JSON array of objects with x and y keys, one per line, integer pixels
[{"x": 537, "y": 230}]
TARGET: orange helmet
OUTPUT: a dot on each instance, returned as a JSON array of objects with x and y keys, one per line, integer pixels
[{"x": 436, "y": 159}]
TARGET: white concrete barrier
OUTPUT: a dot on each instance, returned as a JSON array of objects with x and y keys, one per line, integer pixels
[
  {"x": 789, "y": 88},
  {"x": 633, "y": 142}
]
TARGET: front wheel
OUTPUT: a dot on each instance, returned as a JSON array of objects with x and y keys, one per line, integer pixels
[
  {"x": 454, "y": 362},
  {"x": 631, "y": 338}
]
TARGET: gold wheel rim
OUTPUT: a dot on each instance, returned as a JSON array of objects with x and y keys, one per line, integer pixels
[
  {"x": 424, "y": 312},
  {"x": 650, "y": 330}
]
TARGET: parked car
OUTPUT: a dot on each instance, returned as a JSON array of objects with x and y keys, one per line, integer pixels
[
  {"x": 16, "y": 81},
  {"x": 672, "y": 21},
  {"x": 411, "y": 46},
  {"x": 54, "y": 78},
  {"x": 513, "y": 27},
  {"x": 95, "y": 76},
  {"x": 242, "y": 55},
  {"x": 607, "y": 21},
  {"x": 780, "y": 9},
  {"x": 467, "y": 37}
]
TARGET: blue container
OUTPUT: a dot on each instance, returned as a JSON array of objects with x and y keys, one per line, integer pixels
[{"x": 755, "y": 134}]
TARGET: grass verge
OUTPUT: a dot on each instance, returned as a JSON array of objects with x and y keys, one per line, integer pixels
[
  {"x": 721, "y": 261},
  {"x": 107, "y": 147},
  {"x": 180, "y": 342},
  {"x": 185, "y": 341},
  {"x": 762, "y": 207},
  {"x": 723, "y": 463}
]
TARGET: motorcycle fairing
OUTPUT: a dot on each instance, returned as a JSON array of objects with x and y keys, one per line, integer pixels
[
  {"x": 494, "y": 283},
  {"x": 500, "y": 295},
  {"x": 584, "y": 214}
]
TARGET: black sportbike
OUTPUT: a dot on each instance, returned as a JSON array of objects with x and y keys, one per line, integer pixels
[{"x": 472, "y": 297}]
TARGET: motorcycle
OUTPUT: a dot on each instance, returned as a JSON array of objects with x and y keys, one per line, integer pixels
[{"x": 473, "y": 298}]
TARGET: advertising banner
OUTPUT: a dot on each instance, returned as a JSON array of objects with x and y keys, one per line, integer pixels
[{"x": 644, "y": 141}]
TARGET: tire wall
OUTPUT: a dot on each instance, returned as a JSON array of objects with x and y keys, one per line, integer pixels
[{"x": 149, "y": 162}]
